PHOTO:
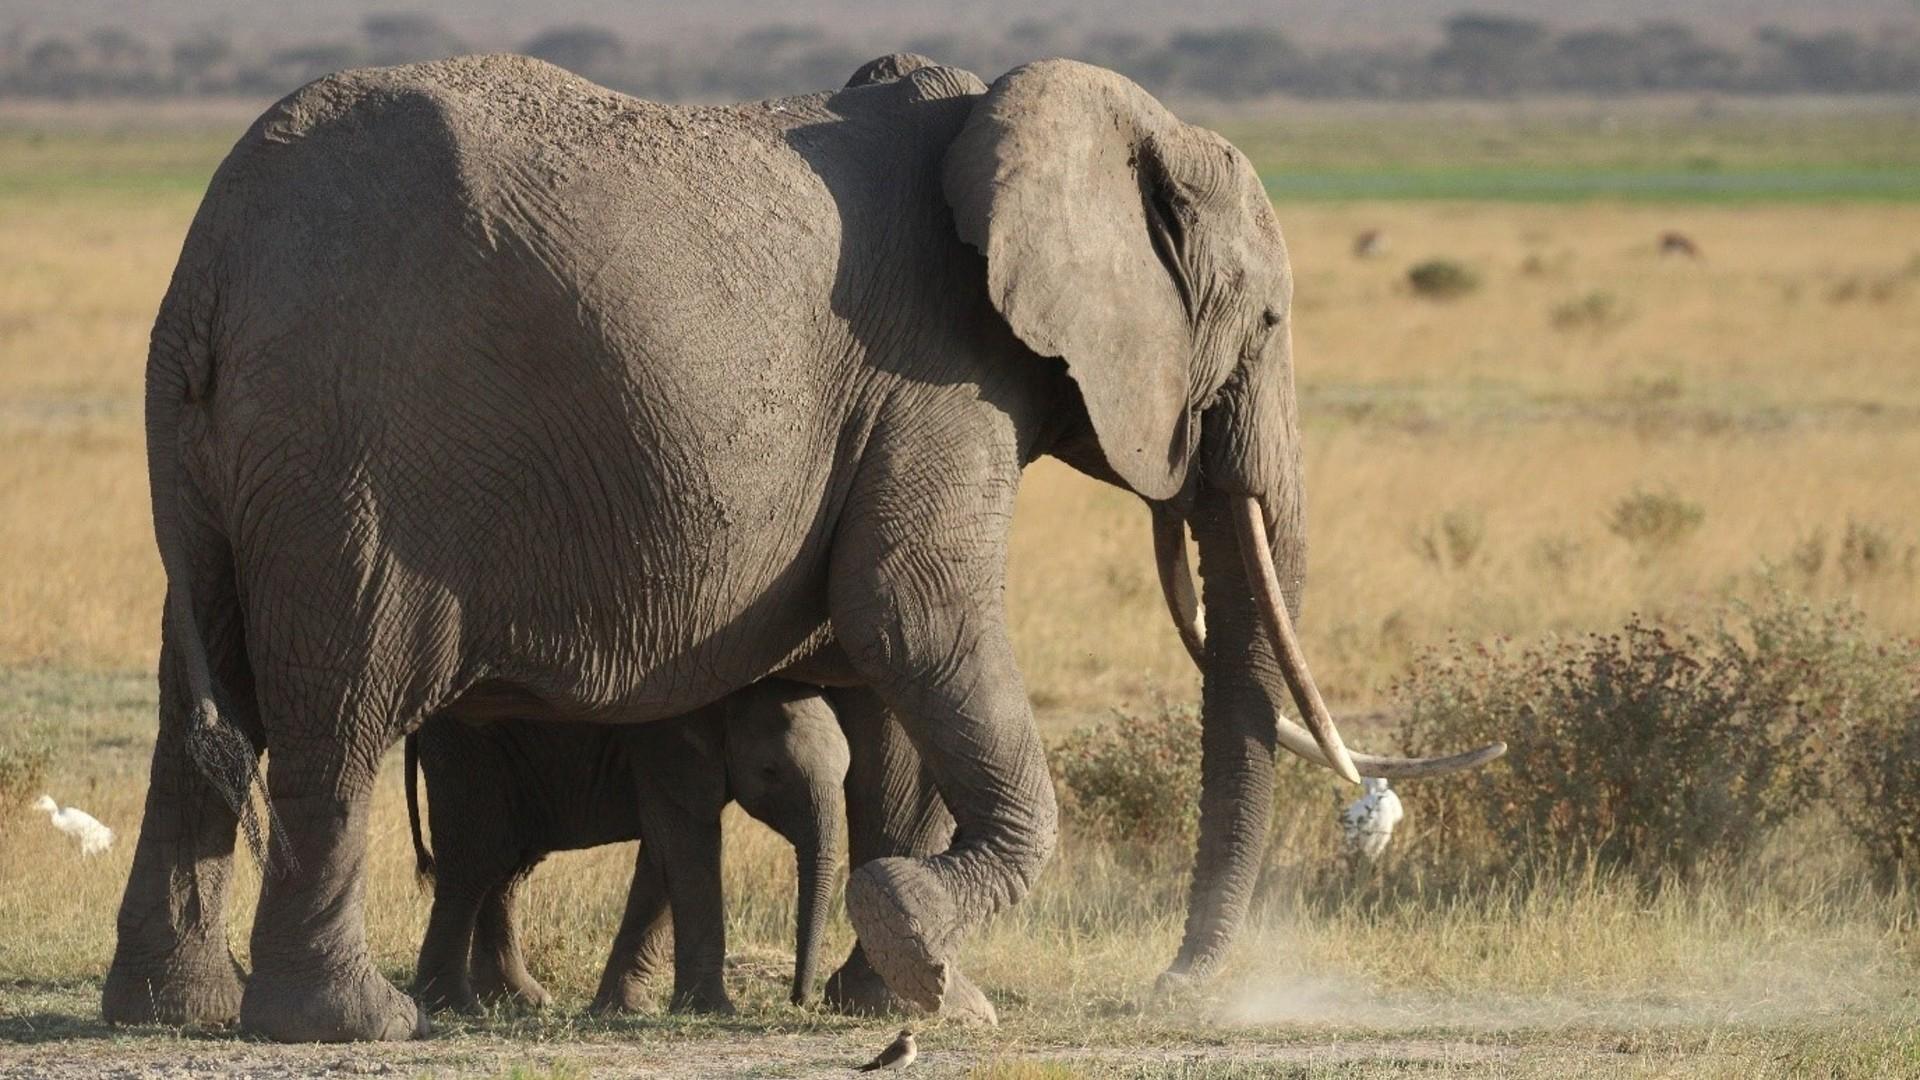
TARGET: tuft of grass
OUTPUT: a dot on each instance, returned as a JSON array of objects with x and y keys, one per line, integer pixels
[
  {"x": 1655, "y": 521},
  {"x": 1869, "y": 552},
  {"x": 1453, "y": 540},
  {"x": 25, "y": 753},
  {"x": 1442, "y": 279},
  {"x": 1026, "y": 1069},
  {"x": 1595, "y": 312}
]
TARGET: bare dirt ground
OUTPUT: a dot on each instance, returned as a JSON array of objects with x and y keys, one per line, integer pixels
[
  {"x": 51, "y": 1032},
  {"x": 738, "y": 1056}
]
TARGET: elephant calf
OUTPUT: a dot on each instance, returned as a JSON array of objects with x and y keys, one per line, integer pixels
[{"x": 503, "y": 795}]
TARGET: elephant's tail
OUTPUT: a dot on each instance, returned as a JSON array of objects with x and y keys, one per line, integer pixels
[
  {"x": 422, "y": 858},
  {"x": 179, "y": 375}
]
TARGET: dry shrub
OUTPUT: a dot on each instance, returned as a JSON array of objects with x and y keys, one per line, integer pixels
[
  {"x": 24, "y": 757},
  {"x": 1453, "y": 540},
  {"x": 1135, "y": 779},
  {"x": 1659, "y": 752},
  {"x": 1655, "y": 521},
  {"x": 1596, "y": 311},
  {"x": 1869, "y": 551},
  {"x": 1859, "y": 694},
  {"x": 1442, "y": 279},
  {"x": 1881, "y": 802}
]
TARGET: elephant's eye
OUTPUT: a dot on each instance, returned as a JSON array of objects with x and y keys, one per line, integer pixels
[{"x": 1271, "y": 317}]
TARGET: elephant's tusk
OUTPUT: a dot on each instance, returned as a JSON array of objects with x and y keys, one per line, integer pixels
[
  {"x": 1300, "y": 741},
  {"x": 1176, "y": 584},
  {"x": 1176, "y": 580},
  {"x": 1256, "y": 554}
]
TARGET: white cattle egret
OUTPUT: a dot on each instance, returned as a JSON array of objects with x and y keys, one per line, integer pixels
[
  {"x": 1368, "y": 822},
  {"x": 94, "y": 837}
]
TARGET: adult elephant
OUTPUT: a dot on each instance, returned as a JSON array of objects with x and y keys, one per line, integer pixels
[{"x": 482, "y": 389}]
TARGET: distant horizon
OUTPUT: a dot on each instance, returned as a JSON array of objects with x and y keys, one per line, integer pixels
[{"x": 492, "y": 25}]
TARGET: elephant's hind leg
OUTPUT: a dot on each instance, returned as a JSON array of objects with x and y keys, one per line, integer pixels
[
  {"x": 499, "y": 966},
  {"x": 644, "y": 945},
  {"x": 313, "y": 980},
  {"x": 441, "y": 978},
  {"x": 170, "y": 963}
]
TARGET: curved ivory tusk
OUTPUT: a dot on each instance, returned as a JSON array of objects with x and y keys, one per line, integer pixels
[
  {"x": 1300, "y": 741},
  {"x": 1176, "y": 584},
  {"x": 1256, "y": 552},
  {"x": 1176, "y": 580}
]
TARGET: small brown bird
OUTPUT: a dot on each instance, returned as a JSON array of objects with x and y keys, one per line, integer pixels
[
  {"x": 898, "y": 1055},
  {"x": 1677, "y": 243}
]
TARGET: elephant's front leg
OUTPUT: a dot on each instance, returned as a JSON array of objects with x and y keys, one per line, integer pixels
[
  {"x": 917, "y": 599},
  {"x": 643, "y": 945},
  {"x": 170, "y": 961},
  {"x": 499, "y": 965},
  {"x": 893, "y": 809},
  {"x": 689, "y": 849},
  {"x": 313, "y": 980}
]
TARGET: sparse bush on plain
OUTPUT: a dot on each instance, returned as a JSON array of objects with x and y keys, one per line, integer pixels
[
  {"x": 1809, "y": 554},
  {"x": 1868, "y": 551},
  {"x": 1658, "y": 752},
  {"x": 24, "y": 757},
  {"x": 1556, "y": 553},
  {"x": 1596, "y": 311},
  {"x": 1858, "y": 694},
  {"x": 1136, "y": 778},
  {"x": 1442, "y": 279},
  {"x": 1880, "y": 804},
  {"x": 1454, "y": 540},
  {"x": 1634, "y": 750},
  {"x": 1655, "y": 520}
]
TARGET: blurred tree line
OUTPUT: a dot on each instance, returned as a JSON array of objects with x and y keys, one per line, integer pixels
[{"x": 1479, "y": 55}]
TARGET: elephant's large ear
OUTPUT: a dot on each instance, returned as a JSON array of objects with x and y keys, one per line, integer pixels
[{"x": 1061, "y": 179}]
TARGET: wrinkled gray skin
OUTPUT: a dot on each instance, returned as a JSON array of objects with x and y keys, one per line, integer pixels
[
  {"x": 480, "y": 389},
  {"x": 503, "y": 796}
]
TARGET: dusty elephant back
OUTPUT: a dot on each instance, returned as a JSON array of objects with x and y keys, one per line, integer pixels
[{"x": 559, "y": 382}]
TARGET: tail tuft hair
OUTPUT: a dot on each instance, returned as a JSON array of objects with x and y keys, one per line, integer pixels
[{"x": 231, "y": 767}]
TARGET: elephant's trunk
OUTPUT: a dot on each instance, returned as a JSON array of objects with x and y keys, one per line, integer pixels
[
  {"x": 818, "y": 860},
  {"x": 1250, "y": 660},
  {"x": 1240, "y": 714}
]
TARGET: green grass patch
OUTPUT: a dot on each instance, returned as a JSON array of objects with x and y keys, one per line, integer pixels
[
  {"x": 41, "y": 163},
  {"x": 1536, "y": 184}
]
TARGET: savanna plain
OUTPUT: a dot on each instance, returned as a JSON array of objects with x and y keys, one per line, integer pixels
[{"x": 1569, "y": 432}]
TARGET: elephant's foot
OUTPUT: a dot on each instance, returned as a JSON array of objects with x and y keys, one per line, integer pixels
[
  {"x": 704, "y": 996},
  {"x": 445, "y": 992},
  {"x": 202, "y": 993},
  {"x": 353, "y": 1005},
  {"x": 622, "y": 1001},
  {"x": 966, "y": 1004},
  {"x": 509, "y": 986},
  {"x": 1173, "y": 985},
  {"x": 908, "y": 923},
  {"x": 858, "y": 990}
]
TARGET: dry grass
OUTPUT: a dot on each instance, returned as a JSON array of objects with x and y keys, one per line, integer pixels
[{"x": 1758, "y": 383}]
